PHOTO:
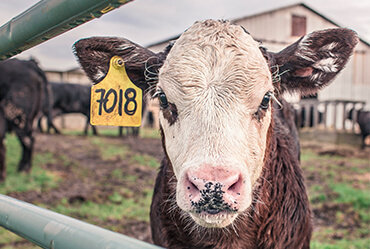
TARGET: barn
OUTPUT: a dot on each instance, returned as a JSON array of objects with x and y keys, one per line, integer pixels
[
  {"x": 74, "y": 75},
  {"x": 277, "y": 28}
]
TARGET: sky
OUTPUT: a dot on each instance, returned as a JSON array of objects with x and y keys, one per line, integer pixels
[{"x": 149, "y": 21}]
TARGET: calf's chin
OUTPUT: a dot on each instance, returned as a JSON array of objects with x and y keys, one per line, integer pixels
[{"x": 214, "y": 221}]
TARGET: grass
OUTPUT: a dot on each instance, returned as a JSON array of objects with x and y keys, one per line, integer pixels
[
  {"x": 122, "y": 204},
  {"x": 108, "y": 150},
  {"x": 39, "y": 179},
  {"x": 357, "y": 198},
  {"x": 150, "y": 133},
  {"x": 145, "y": 160},
  {"x": 317, "y": 194},
  {"x": 334, "y": 182},
  {"x": 118, "y": 207},
  {"x": 342, "y": 244},
  {"x": 337, "y": 183}
]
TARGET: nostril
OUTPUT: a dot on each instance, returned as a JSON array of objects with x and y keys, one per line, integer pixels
[
  {"x": 192, "y": 189},
  {"x": 232, "y": 187},
  {"x": 235, "y": 187},
  {"x": 192, "y": 186}
]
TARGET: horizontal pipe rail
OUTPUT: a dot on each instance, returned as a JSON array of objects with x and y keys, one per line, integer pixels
[
  {"x": 48, "y": 229},
  {"x": 47, "y": 19}
]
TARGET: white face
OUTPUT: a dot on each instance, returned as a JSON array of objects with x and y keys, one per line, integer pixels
[{"x": 215, "y": 129}]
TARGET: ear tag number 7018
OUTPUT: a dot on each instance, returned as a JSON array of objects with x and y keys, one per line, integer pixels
[{"x": 116, "y": 101}]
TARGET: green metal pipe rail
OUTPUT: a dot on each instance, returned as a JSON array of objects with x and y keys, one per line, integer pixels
[
  {"x": 47, "y": 19},
  {"x": 48, "y": 229}
]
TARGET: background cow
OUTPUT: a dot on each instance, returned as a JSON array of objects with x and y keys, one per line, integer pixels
[
  {"x": 22, "y": 84},
  {"x": 69, "y": 98},
  {"x": 130, "y": 131},
  {"x": 363, "y": 120},
  {"x": 46, "y": 110},
  {"x": 231, "y": 176}
]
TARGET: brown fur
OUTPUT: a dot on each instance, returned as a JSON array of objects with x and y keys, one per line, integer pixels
[
  {"x": 279, "y": 216},
  {"x": 280, "y": 219},
  {"x": 296, "y": 66}
]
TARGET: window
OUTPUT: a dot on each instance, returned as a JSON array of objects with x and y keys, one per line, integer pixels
[{"x": 298, "y": 25}]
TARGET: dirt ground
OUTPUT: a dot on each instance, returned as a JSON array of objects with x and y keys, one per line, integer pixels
[
  {"x": 95, "y": 186},
  {"x": 94, "y": 183}
]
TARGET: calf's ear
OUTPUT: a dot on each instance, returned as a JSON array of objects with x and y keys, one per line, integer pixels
[
  {"x": 313, "y": 61},
  {"x": 94, "y": 55}
]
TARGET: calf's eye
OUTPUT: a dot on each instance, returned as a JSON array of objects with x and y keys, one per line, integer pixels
[
  {"x": 163, "y": 100},
  {"x": 266, "y": 101}
]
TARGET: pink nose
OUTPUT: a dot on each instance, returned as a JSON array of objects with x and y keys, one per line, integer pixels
[{"x": 214, "y": 189}]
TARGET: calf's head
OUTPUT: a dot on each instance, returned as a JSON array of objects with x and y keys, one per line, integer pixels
[{"x": 215, "y": 86}]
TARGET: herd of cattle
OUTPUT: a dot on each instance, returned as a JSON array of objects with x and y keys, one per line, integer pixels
[{"x": 25, "y": 95}]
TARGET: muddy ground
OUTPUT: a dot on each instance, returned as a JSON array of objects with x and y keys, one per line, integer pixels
[{"x": 94, "y": 183}]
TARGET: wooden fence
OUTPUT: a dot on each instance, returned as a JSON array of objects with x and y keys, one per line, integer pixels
[{"x": 327, "y": 114}]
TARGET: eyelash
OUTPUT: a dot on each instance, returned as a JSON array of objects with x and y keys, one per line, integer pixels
[
  {"x": 169, "y": 109},
  {"x": 163, "y": 102},
  {"x": 265, "y": 103}
]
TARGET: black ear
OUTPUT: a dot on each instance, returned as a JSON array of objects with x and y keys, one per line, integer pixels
[
  {"x": 313, "y": 61},
  {"x": 141, "y": 64}
]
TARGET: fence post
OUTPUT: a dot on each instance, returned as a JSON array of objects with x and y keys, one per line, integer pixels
[
  {"x": 48, "y": 229},
  {"x": 325, "y": 115},
  {"x": 47, "y": 19}
]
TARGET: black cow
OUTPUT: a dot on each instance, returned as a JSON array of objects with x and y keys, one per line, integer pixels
[
  {"x": 46, "y": 110},
  {"x": 130, "y": 131},
  {"x": 363, "y": 120},
  {"x": 69, "y": 98},
  {"x": 22, "y": 84}
]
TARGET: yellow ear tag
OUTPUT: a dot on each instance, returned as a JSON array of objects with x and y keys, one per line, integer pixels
[{"x": 116, "y": 100}]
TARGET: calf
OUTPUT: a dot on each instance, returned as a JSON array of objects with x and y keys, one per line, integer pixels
[
  {"x": 363, "y": 120},
  {"x": 22, "y": 84},
  {"x": 69, "y": 98},
  {"x": 231, "y": 176}
]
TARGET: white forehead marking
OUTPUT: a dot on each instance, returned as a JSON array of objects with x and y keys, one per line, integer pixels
[
  {"x": 216, "y": 76},
  {"x": 215, "y": 60}
]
